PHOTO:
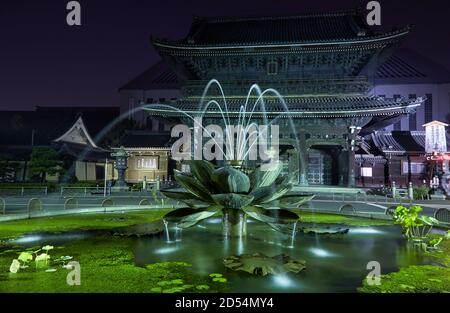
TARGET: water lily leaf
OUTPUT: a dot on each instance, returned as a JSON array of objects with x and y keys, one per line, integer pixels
[
  {"x": 42, "y": 260},
  {"x": 230, "y": 180},
  {"x": 265, "y": 176},
  {"x": 202, "y": 170},
  {"x": 202, "y": 287},
  {"x": 232, "y": 200},
  {"x": 156, "y": 289},
  {"x": 15, "y": 266},
  {"x": 188, "y": 217},
  {"x": 25, "y": 257},
  {"x": 272, "y": 216},
  {"x": 220, "y": 279},
  {"x": 215, "y": 275},
  {"x": 192, "y": 185},
  {"x": 50, "y": 270},
  {"x": 47, "y": 247}
]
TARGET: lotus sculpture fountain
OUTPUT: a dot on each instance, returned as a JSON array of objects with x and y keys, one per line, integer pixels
[{"x": 261, "y": 193}]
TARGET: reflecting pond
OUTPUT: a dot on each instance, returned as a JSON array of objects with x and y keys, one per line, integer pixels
[{"x": 334, "y": 263}]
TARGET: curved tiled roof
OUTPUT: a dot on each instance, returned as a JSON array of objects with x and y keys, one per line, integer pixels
[
  {"x": 298, "y": 29},
  {"x": 397, "y": 142},
  {"x": 301, "y": 106},
  {"x": 158, "y": 76},
  {"x": 407, "y": 66}
]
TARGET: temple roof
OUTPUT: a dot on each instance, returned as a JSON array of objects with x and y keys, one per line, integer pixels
[
  {"x": 158, "y": 76},
  {"x": 406, "y": 66},
  {"x": 301, "y": 106},
  {"x": 395, "y": 142},
  {"x": 273, "y": 30},
  {"x": 47, "y": 123}
]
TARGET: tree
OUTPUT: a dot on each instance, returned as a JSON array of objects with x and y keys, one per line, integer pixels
[
  {"x": 7, "y": 168},
  {"x": 44, "y": 160}
]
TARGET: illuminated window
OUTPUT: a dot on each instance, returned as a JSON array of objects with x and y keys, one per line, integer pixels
[
  {"x": 147, "y": 163},
  {"x": 416, "y": 168},
  {"x": 366, "y": 171}
]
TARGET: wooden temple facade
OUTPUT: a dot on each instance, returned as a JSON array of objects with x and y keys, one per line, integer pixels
[{"x": 323, "y": 65}]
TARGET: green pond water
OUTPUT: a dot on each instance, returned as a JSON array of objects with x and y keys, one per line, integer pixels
[{"x": 334, "y": 263}]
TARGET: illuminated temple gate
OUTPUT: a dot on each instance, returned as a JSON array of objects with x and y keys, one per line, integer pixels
[{"x": 323, "y": 65}]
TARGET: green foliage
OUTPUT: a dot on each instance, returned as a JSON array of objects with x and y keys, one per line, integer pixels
[
  {"x": 414, "y": 226},
  {"x": 13, "y": 229},
  {"x": 41, "y": 260},
  {"x": 421, "y": 192},
  {"x": 105, "y": 257},
  {"x": 7, "y": 167},
  {"x": 44, "y": 160},
  {"x": 416, "y": 279}
]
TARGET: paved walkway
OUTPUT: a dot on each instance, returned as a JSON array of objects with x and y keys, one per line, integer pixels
[{"x": 53, "y": 204}]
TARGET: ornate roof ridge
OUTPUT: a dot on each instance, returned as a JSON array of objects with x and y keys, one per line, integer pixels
[
  {"x": 376, "y": 36},
  {"x": 229, "y": 19}
]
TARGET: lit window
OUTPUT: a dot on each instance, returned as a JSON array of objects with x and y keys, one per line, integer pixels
[
  {"x": 147, "y": 163},
  {"x": 366, "y": 171},
  {"x": 416, "y": 168}
]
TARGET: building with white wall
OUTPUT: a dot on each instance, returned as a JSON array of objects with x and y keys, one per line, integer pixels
[{"x": 408, "y": 74}]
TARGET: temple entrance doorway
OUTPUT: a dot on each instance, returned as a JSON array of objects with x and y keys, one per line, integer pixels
[{"x": 323, "y": 165}]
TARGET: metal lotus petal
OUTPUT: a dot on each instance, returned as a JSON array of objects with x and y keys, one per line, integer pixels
[
  {"x": 294, "y": 201},
  {"x": 268, "y": 194},
  {"x": 187, "y": 217},
  {"x": 192, "y": 185},
  {"x": 230, "y": 180},
  {"x": 202, "y": 170},
  {"x": 277, "y": 216},
  {"x": 262, "y": 177},
  {"x": 232, "y": 200},
  {"x": 178, "y": 195},
  {"x": 186, "y": 197}
]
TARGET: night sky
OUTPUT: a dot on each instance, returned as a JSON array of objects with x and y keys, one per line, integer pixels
[{"x": 45, "y": 62}]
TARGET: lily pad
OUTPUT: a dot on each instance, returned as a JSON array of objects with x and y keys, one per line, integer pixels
[{"x": 261, "y": 265}]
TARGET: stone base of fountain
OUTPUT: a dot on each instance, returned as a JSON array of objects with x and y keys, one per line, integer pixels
[{"x": 260, "y": 264}]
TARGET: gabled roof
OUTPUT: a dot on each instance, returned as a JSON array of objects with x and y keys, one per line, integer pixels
[
  {"x": 17, "y": 128},
  {"x": 395, "y": 142},
  {"x": 277, "y": 30},
  {"x": 158, "y": 76},
  {"x": 77, "y": 134},
  {"x": 406, "y": 66}
]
